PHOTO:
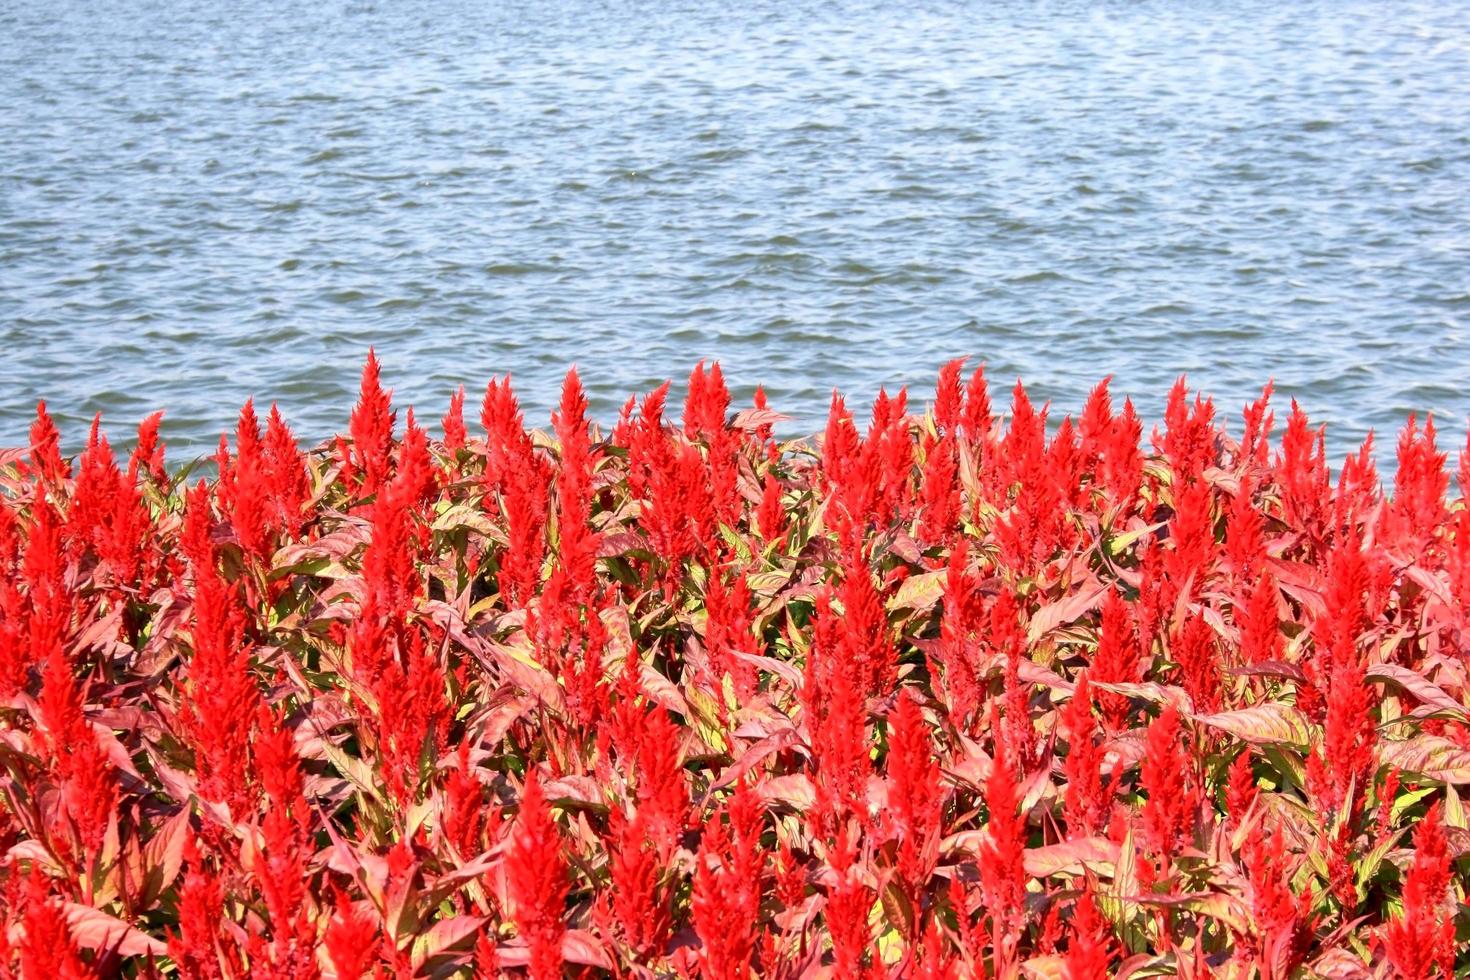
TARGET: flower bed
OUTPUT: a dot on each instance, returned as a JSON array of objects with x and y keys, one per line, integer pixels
[{"x": 947, "y": 697}]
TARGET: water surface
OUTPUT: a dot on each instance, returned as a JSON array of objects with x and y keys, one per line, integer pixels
[{"x": 201, "y": 202}]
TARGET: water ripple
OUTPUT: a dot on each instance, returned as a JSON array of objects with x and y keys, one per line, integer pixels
[{"x": 843, "y": 193}]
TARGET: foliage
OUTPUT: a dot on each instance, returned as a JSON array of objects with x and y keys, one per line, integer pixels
[{"x": 956, "y": 695}]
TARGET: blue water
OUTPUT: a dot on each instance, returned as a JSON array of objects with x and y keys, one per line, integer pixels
[{"x": 201, "y": 202}]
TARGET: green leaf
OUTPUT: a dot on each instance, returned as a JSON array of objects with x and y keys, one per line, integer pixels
[
  {"x": 1067, "y": 610},
  {"x": 1426, "y": 691},
  {"x": 1367, "y": 866},
  {"x": 357, "y": 772},
  {"x": 918, "y": 592},
  {"x": 163, "y": 856},
  {"x": 1117, "y": 545},
  {"x": 465, "y": 515},
  {"x": 1071, "y": 857},
  {"x": 442, "y": 935},
  {"x": 1263, "y": 724},
  {"x": 795, "y": 790},
  {"x": 1403, "y": 801},
  {"x": 1428, "y": 757},
  {"x": 1288, "y": 765},
  {"x": 736, "y": 541},
  {"x": 1454, "y": 809},
  {"x": 96, "y": 930},
  {"x": 704, "y": 712}
]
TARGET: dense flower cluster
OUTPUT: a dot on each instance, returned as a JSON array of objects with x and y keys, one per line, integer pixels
[{"x": 949, "y": 695}]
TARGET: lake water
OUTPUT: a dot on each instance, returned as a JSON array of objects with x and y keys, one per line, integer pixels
[{"x": 200, "y": 202}]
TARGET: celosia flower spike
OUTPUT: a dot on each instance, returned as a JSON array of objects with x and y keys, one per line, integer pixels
[{"x": 536, "y": 872}]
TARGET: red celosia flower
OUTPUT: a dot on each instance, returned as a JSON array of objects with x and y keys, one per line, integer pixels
[
  {"x": 416, "y": 475},
  {"x": 453, "y": 423},
  {"x": 1169, "y": 813},
  {"x": 350, "y": 939},
  {"x": 1422, "y": 940},
  {"x": 1245, "y": 542},
  {"x": 1255, "y": 441},
  {"x": 704, "y": 420},
  {"x": 464, "y": 814},
  {"x": 1240, "y": 787},
  {"x": 1357, "y": 487},
  {"x": 1090, "y": 948},
  {"x": 148, "y": 454},
  {"x": 78, "y": 764},
  {"x": 791, "y": 876},
  {"x": 728, "y": 634},
  {"x": 245, "y": 487},
  {"x": 268, "y": 719},
  {"x": 949, "y": 398},
  {"x": 487, "y": 956},
  {"x": 914, "y": 800},
  {"x": 835, "y": 721},
  {"x": 868, "y": 479},
  {"x": 1006, "y": 638},
  {"x": 1031, "y": 530},
  {"x": 281, "y": 873},
  {"x": 771, "y": 518},
  {"x": 941, "y": 489},
  {"x": 865, "y": 646},
  {"x": 1458, "y": 560},
  {"x": 107, "y": 516},
  {"x": 46, "y": 947},
  {"x": 1283, "y": 922},
  {"x": 846, "y": 912},
  {"x": 1418, "y": 508},
  {"x": 933, "y": 959},
  {"x": 1260, "y": 624},
  {"x": 290, "y": 484},
  {"x": 675, "y": 487},
  {"x": 46, "y": 448},
  {"x": 391, "y": 582},
  {"x": 223, "y": 700},
  {"x": 650, "y": 754},
  {"x": 536, "y": 872},
  {"x": 577, "y": 545},
  {"x": 1191, "y": 529},
  {"x": 1087, "y": 802},
  {"x": 1095, "y": 427},
  {"x": 365, "y": 460},
  {"x": 1116, "y": 660},
  {"x": 1338, "y": 772},
  {"x": 728, "y": 882},
  {"x": 1123, "y": 460},
  {"x": 43, "y": 619},
  {"x": 412, "y": 717},
  {"x": 520, "y": 477},
  {"x": 1301, "y": 471},
  {"x": 1158, "y": 597},
  {"x": 43, "y": 568},
  {"x": 1197, "y": 653},
  {"x": 850, "y": 469},
  {"x": 957, "y": 663},
  {"x": 1002, "y": 869},
  {"x": 15, "y": 653},
  {"x": 1189, "y": 437},
  {"x": 1069, "y": 466},
  {"x": 1387, "y": 793},
  {"x": 889, "y": 442},
  {"x": 640, "y": 899},
  {"x": 195, "y": 945},
  {"x": 977, "y": 419},
  {"x": 708, "y": 401}
]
